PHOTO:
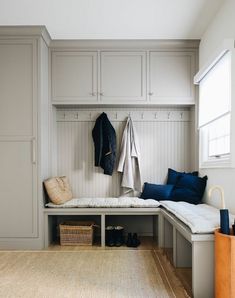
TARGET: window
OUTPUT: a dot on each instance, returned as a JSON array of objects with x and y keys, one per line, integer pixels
[
  {"x": 214, "y": 113},
  {"x": 219, "y": 137}
]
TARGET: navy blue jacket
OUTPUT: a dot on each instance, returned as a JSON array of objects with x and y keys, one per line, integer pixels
[{"x": 104, "y": 138}]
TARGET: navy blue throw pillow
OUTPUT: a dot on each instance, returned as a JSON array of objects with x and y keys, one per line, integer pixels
[
  {"x": 185, "y": 195},
  {"x": 190, "y": 189},
  {"x": 156, "y": 191},
  {"x": 173, "y": 176}
]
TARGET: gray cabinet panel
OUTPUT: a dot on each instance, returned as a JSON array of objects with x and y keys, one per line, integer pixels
[
  {"x": 18, "y": 213},
  {"x": 18, "y": 138},
  {"x": 74, "y": 76},
  {"x": 123, "y": 77},
  {"x": 171, "y": 77},
  {"x": 17, "y": 75}
]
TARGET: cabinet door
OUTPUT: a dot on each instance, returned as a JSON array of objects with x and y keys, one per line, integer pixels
[
  {"x": 17, "y": 87},
  {"x": 18, "y": 212},
  {"x": 171, "y": 77},
  {"x": 74, "y": 77},
  {"x": 123, "y": 77},
  {"x": 18, "y": 133}
]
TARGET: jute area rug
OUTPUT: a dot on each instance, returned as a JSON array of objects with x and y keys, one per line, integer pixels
[{"x": 85, "y": 274}]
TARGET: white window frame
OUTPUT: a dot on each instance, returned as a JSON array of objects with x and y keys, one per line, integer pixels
[{"x": 225, "y": 161}]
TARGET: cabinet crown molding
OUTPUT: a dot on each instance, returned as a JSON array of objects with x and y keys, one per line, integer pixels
[
  {"x": 24, "y": 31},
  {"x": 84, "y": 44},
  {"x": 131, "y": 44}
]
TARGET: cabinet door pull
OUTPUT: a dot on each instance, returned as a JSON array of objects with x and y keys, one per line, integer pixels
[
  {"x": 150, "y": 93},
  {"x": 33, "y": 151},
  {"x": 101, "y": 93}
]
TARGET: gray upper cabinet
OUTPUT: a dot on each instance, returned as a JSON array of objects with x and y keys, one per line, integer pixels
[
  {"x": 123, "y": 77},
  {"x": 74, "y": 77},
  {"x": 171, "y": 77}
]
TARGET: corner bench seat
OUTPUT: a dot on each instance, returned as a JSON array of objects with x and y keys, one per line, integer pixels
[
  {"x": 201, "y": 219},
  {"x": 186, "y": 228},
  {"x": 189, "y": 230}
]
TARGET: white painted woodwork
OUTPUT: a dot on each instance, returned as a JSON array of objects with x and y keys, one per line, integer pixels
[
  {"x": 17, "y": 75},
  {"x": 164, "y": 143},
  {"x": 74, "y": 76},
  {"x": 123, "y": 77},
  {"x": 18, "y": 192},
  {"x": 171, "y": 77}
]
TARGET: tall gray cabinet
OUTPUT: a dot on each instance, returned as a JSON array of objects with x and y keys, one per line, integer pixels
[{"x": 24, "y": 134}]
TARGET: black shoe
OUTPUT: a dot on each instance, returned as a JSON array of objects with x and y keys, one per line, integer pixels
[
  {"x": 110, "y": 240},
  {"x": 135, "y": 240},
  {"x": 118, "y": 235},
  {"x": 129, "y": 240}
]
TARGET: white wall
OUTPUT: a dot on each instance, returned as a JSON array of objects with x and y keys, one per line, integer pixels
[{"x": 222, "y": 27}]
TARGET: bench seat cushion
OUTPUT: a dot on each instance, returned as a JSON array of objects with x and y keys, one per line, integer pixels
[
  {"x": 200, "y": 218},
  {"x": 122, "y": 202}
]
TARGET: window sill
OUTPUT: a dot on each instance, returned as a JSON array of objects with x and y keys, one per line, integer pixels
[{"x": 213, "y": 164}]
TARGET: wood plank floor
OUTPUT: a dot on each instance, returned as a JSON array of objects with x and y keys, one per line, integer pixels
[{"x": 180, "y": 278}]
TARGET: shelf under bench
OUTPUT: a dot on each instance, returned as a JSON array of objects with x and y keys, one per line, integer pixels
[{"x": 49, "y": 213}]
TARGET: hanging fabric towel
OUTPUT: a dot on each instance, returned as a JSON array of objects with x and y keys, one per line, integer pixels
[
  {"x": 129, "y": 162},
  {"x": 104, "y": 138}
]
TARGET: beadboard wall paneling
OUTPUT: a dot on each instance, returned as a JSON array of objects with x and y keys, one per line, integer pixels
[{"x": 163, "y": 144}]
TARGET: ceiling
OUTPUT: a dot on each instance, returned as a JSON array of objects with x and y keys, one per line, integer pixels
[{"x": 113, "y": 19}]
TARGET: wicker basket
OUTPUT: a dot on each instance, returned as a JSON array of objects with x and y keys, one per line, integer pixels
[{"x": 76, "y": 233}]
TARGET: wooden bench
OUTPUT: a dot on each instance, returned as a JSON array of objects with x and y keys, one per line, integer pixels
[{"x": 189, "y": 250}]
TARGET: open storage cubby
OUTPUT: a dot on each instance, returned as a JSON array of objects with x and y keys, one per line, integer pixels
[
  {"x": 55, "y": 220},
  {"x": 134, "y": 224},
  {"x": 176, "y": 247}
]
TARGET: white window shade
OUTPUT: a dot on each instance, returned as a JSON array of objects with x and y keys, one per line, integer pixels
[
  {"x": 215, "y": 91},
  {"x": 219, "y": 137}
]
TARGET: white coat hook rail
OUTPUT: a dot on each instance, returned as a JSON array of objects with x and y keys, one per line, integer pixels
[{"x": 121, "y": 115}]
